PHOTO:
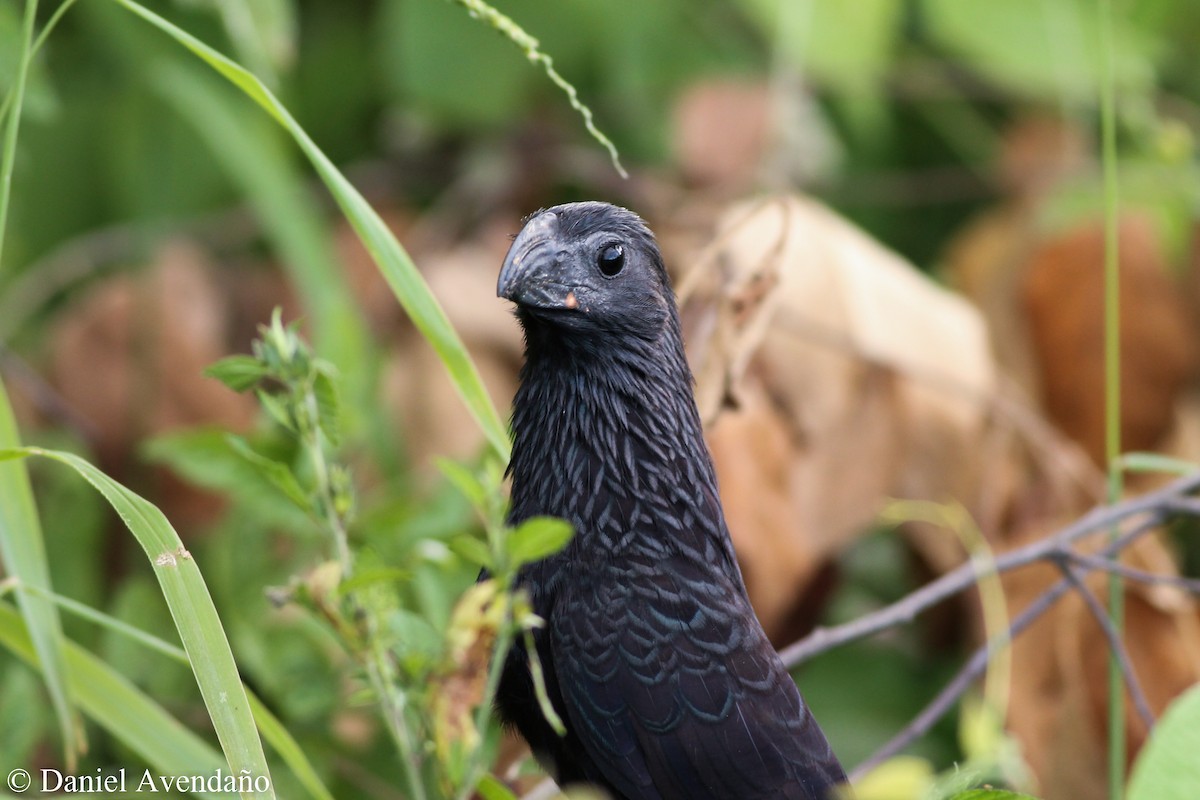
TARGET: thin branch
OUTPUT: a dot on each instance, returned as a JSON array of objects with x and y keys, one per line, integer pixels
[
  {"x": 1191, "y": 585},
  {"x": 1115, "y": 645},
  {"x": 1159, "y": 504},
  {"x": 971, "y": 671},
  {"x": 1186, "y": 506},
  {"x": 977, "y": 664}
]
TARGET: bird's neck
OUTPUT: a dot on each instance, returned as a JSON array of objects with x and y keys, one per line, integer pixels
[{"x": 607, "y": 436}]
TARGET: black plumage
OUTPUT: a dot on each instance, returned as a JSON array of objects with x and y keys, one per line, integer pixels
[{"x": 654, "y": 658}]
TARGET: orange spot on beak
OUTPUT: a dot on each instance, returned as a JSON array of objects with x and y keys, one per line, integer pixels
[{"x": 571, "y": 301}]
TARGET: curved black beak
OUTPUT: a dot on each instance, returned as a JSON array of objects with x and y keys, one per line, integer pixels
[{"x": 531, "y": 272}]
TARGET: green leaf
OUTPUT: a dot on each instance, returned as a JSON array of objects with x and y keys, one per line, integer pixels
[
  {"x": 473, "y": 550},
  {"x": 279, "y": 474},
  {"x": 24, "y": 554},
  {"x": 465, "y": 481},
  {"x": 372, "y": 577},
  {"x": 263, "y": 31},
  {"x": 1168, "y": 767},
  {"x": 539, "y": 686},
  {"x": 282, "y": 741},
  {"x": 991, "y": 794},
  {"x": 899, "y": 776},
  {"x": 490, "y": 788},
  {"x": 391, "y": 258},
  {"x": 328, "y": 409},
  {"x": 276, "y": 409},
  {"x": 195, "y": 617},
  {"x": 237, "y": 372},
  {"x": 1154, "y": 462},
  {"x": 414, "y": 635},
  {"x": 119, "y": 707},
  {"x": 1007, "y": 42},
  {"x": 206, "y": 457},
  {"x": 536, "y": 538},
  {"x": 847, "y": 46},
  {"x": 271, "y": 728}
]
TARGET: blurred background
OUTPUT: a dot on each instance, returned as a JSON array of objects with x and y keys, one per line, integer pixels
[{"x": 884, "y": 219}]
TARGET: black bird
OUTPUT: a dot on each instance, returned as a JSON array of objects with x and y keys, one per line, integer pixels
[{"x": 653, "y": 656}]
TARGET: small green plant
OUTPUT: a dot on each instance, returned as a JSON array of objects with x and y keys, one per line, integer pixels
[{"x": 434, "y": 686}]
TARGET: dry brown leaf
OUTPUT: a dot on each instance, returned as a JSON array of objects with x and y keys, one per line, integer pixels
[
  {"x": 1059, "y": 696},
  {"x": 458, "y": 689},
  {"x": 129, "y": 357},
  {"x": 851, "y": 377},
  {"x": 985, "y": 261},
  {"x": 1064, "y": 297}
]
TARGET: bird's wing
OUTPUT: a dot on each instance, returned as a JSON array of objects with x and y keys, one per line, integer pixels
[{"x": 675, "y": 691}]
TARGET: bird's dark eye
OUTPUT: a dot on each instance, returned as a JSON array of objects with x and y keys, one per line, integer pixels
[{"x": 611, "y": 259}]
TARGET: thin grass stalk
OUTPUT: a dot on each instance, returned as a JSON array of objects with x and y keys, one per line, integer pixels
[
  {"x": 271, "y": 728},
  {"x": 10, "y": 131},
  {"x": 51, "y": 23},
  {"x": 44, "y": 627},
  {"x": 1112, "y": 390}
]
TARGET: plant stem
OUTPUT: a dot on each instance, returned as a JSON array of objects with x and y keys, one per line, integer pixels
[
  {"x": 37, "y": 45},
  {"x": 378, "y": 670},
  {"x": 311, "y": 432},
  {"x": 1112, "y": 391},
  {"x": 393, "y": 713},
  {"x": 14, "y": 124},
  {"x": 506, "y": 27}
]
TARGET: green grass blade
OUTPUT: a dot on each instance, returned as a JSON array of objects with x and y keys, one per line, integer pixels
[
  {"x": 1112, "y": 386},
  {"x": 288, "y": 748},
  {"x": 51, "y": 23},
  {"x": 194, "y": 615},
  {"x": 393, "y": 262},
  {"x": 255, "y": 156},
  {"x": 14, "y": 123},
  {"x": 24, "y": 555},
  {"x": 277, "y": 736},
  {"x": 1155, "y": 462},
  {"x": 119, "y": 706},
  {"x": 259, "y": 160}
]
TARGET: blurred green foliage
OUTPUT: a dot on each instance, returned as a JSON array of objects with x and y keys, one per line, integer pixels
[
  {"x": 122, "y": 129},
  {"x": 905, "y": 85}
]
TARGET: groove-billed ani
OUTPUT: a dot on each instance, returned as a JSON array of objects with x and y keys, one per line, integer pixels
[{"x": 654, "y": 658}]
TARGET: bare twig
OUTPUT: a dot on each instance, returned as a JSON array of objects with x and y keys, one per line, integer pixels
[
  {"x": 1171, "y": 499},
  {"x": 1115, "y": 645},
  {"x": 974, "y": 668},
  {"x": 1133, "y": 573},
  {"x": 977, "y": 664}
]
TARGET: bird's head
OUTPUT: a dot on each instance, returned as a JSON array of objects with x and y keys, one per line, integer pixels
[{"x": 588, "y": 268}]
